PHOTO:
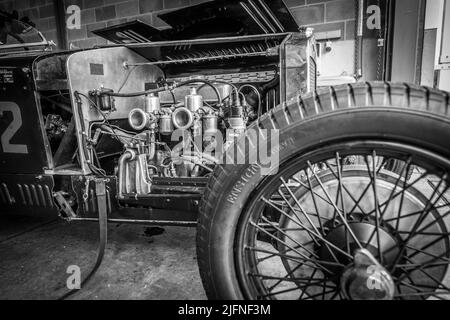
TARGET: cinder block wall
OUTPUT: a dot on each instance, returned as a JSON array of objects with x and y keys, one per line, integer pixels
[
  {"x": 326, "y": 15},
  {"x": 41, "y": 12},
  {"x": 323, "y": 15}
]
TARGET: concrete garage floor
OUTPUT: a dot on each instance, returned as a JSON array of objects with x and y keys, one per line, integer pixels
[{"x": 33, "y": 262}]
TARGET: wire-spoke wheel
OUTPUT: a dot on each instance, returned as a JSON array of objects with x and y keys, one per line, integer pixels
[
  {"x": 302, "y": 229},
  {"x": 355, "y": 208}
]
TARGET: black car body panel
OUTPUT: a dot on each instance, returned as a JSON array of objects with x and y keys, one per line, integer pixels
[{"x": 23, "y": 145}]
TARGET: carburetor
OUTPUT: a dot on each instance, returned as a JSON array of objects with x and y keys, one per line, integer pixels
[{"x": 192, "y": 114}]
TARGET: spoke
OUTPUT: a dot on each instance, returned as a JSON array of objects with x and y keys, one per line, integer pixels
[
  {"x": 367, "y": 188},
  {"x": 373, "y": 179},
  {"x": 430, "y": 205},
  {"x": 414, "y": 213},
  {"x": 344, "y": 188},
  {"x": 360, "y": 199},
  {"x": 402, "y": 199},
  {"x": 409, "y": 285},
  {"x": 442, "y": 217},
  {"x": 333, "y": 297},
  {"x": 418, "y": 294},
  {"x": 272, "y": 255},
  {"x": 433, "y": 187},
  {"x": 421, "y": 250},
  {"x": 420, "y": 220},
  {"x": 290, "y": 273},
  {"x": 308, "y": 230},
  {"x": 419, "y": 290},
  {"x": 341, "y": 193},
  {"x": 313, "y": 195},
  {"x": 412, "y": 285},
  {"x": 344, "y": 220},
  {"x": 323, "y": 293},
  {"x": 428, "y": 287},
  {"x": 295, "y": 214},
  {"x": 426, "y": 233},
  {"x": 310, "y": 279},
  {"x": 306, "y": 216},
  {"x": 300, "y": 206},
  {"x": 422, "y": 266},
  {"x": 293, "y": 240},
  {"x": 268, "y": 224},
  {"x": 399, "y": 288},
  {"x": 280, "y": 292},
  {"x": 423, "y": 175},
  {"x": 427, "y": 265},
  {"x": 441, "y": 237},
  {"x": 439, "y": 283},
  {"x": 311, "y": 190},
  {"x": 292, "y": 289},
  {"x": 285, "y": 251},
  {"x": 409, "y": 215},
  {"x": 405, "y": 171},
  {"x": 294, "y": 258},
  {"x": 344, "y": 211},
  {"x": 296, "y": 251},
  {"x": 283, "y": 279}
]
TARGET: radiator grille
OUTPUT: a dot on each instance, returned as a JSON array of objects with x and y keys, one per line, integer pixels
[
  {"x": 245, "y": 77},
  {"x": 35, "y": 195},
  {"x": 5, "y": 195},
  {"x": 185, "y": 54}
]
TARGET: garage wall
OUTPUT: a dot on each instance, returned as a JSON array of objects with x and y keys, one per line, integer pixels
[
  {"x": 326, "y": 15},
  {"x": 41, "y": 12},
  {"x": 323, "y": 15}
]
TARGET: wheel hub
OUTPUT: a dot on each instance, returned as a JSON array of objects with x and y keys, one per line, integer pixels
[
  {"x": 366, "y": 233},
  {"x": 366, "y": 279}
]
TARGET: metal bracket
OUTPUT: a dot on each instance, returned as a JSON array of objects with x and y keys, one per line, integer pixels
[
  {"x": 442, "y": 66},
  {"x": 64, "y": 206}
]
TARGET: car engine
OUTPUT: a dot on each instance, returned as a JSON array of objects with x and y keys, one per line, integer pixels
[
  {"x": 178, "y": 139},
  {"x": 157, "y": 118}
]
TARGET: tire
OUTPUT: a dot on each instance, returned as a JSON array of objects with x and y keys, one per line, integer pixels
[{"x": 391, "y": 112}]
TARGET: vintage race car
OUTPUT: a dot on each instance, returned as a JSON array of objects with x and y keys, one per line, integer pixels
[{"x": 218, "y": 123}]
